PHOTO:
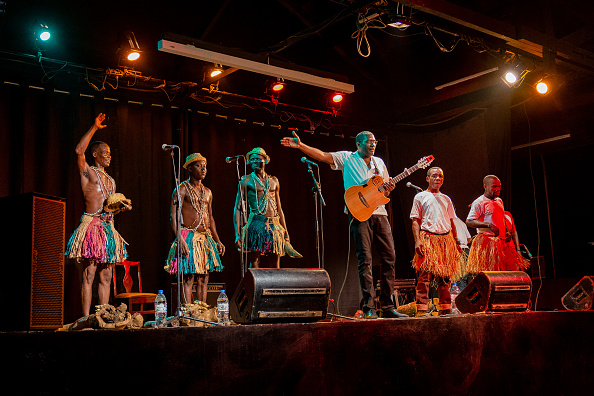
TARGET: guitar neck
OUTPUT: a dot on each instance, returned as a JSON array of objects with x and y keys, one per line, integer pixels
[{"x": 406, "y": 173}]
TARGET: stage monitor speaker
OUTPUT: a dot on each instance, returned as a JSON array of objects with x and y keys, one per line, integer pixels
[
  {"x": 579, "y": 297},
  {"x": 33, "y": 250},
  {"x": 496, "y": 291},
  {"x": 270, "y": 295}
]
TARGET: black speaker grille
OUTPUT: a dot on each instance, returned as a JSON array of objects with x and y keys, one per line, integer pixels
[{"x": 47, "y": 263}]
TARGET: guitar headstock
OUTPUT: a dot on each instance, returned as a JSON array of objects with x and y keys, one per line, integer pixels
[{"x": 425, "y": 161}]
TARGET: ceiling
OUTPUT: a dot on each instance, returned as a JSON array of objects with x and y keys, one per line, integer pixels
[{"x": 394, "y": 72}]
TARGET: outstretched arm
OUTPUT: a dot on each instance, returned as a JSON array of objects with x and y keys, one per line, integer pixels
[
  {"x": 81, "y": 147},
  {"x": 317, "y": 154}
]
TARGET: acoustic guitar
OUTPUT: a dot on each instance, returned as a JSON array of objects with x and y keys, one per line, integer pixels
[{"x": 364, "y": 199}]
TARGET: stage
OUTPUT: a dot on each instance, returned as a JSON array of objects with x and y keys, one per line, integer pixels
[{"x": 549, "y": 353}]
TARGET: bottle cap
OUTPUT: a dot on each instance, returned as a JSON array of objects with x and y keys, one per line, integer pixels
[
  {"x": 222, "y": 290},
  {"x": 160, "y": 292}
]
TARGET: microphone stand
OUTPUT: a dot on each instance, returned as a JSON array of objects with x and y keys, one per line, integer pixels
[
  {"x": 317, "y": 191},
  {"x": 243, "y": 208},
  {"x": 179, "y": 312}
]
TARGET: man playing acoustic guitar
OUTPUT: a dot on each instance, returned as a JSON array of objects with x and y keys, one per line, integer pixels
[{"x": 357, "y": 168}]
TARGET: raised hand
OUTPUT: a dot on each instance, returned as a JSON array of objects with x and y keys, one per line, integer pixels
[
  {"x": 99, "y": 120},
  {"x": 293, "y": 141}
]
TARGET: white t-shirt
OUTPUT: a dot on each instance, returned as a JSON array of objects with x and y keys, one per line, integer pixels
[
  {"x": 489, "y": 211},
  {"x": 434, "y": 210},
  {"x": 462, "y": 232},
  {"x": 355, "y": 171}
]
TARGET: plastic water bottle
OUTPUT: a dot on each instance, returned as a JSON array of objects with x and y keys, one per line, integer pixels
[
  {"x": 223, "y": 309},
  {"x": 160, "y": 310},
  {"x": 454, "y": 292}
]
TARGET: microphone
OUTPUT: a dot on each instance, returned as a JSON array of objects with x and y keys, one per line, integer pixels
[
  {"x": 409, "y": 184},
  {"x": 234, "y": 158},
  {"x": 167, "y": 147},
  {"x": 306, "y": 161}
]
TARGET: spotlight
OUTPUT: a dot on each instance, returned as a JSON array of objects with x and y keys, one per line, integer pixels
[
  {"x": 42, "y": 37},
  {"x": 45, "y": 35},
  {"x": 216, "y": 70},
  {"x": 334, "y": 101},
  {"x": 542, "y": 87},
  {"x": 337, "y": 97},
  {"x": 514, "y": 75},
  {"x": 131, "y": 48},
  {"x": 397, "y": 17},
  {"x": 273, "y": 88},
  {"x": 278, "y": 86},
  {"x": 42, "y": 32}
]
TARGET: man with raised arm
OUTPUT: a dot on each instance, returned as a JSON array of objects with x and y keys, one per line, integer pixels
[
  {"x": 374, "y": 233},
  {"x": 95, "y": 242},
  {"x": 199, "y": 243}
]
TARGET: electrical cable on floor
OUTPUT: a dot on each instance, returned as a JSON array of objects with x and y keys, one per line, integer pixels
[
  {"x": 346, "y": 273},
  {"x": 535, "y": 209}
]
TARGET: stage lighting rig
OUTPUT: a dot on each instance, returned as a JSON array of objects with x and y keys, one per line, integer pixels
[
  {"x": 398, "y": 18},
  {"x": 215, "y": 70},
  {"x": 274, "y": 87},
  {"x": 130, "y": 48},
  {"x": 42, "y": 36},
  {"x": 334, "y": 102},
  {"x": 514, "y": 76}
]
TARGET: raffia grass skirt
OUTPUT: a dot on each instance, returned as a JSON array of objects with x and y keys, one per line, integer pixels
[
  {"x": 203, "y": 258},
  {"x": 489, "y": 253},
  {"x": 441, "y": 257},
  {"x": 264, "y": 234},
  {"x": 97, "y": 240}
]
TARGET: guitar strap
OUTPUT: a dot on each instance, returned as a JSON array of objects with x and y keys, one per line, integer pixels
[{"x": 377, "y": 170}]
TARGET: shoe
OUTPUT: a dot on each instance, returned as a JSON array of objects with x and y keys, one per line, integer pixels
[
  {"x": 370, "y": 314},
  {"x": 393, "y": 314},
  {"x": 420, "y": 314}
]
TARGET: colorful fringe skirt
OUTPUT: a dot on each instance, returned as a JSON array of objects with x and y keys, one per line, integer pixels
[
  {"x": 489, "y": 253},
  {"x": 203, "y": 258},
  {"x": 264, "y": 234},
  {"x": 441, "y": 257},
  {"x": 97, "y": 240}
]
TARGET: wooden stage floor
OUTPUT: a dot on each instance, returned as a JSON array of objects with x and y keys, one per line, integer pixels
[{"x": 548, "y": 353}]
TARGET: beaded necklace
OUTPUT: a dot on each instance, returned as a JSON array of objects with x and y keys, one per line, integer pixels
[
  {"x": 104, "y": 191},
  {"x": 262, "y": 202},
  {"x": 198, "y": 203}
]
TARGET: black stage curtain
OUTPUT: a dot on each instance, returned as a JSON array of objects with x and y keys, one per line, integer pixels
[{"x": 40, "y": 129}]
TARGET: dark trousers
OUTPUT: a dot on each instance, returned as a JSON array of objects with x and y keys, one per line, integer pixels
[
  {"x": 443, "y": 289},
  {"x": 375, "y": 234}
]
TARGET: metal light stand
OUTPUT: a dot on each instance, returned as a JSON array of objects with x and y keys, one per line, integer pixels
[
  {"x": 243, "y": 208},
  {"x": 179, "y": 312},
  {"x": 317, "y": 191}
]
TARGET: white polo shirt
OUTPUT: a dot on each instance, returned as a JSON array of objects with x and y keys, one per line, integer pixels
[{"x": 355, "y": 171}]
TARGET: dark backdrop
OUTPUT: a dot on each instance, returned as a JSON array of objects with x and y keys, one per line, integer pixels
[{"x": 40, "y": 128}]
